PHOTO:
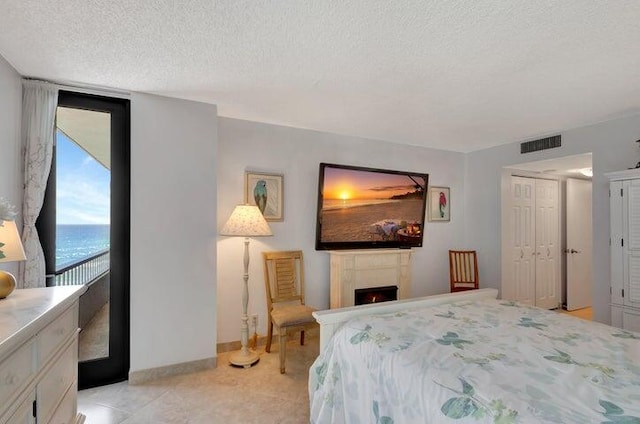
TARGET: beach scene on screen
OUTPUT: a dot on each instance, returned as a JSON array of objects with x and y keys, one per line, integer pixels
[{"x": 360, "y": 205}]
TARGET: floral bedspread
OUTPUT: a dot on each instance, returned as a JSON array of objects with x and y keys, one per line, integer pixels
[{"x": 486, "y": 361}]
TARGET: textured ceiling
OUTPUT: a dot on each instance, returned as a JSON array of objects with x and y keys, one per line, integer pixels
[{"x": 457, "y": 74}]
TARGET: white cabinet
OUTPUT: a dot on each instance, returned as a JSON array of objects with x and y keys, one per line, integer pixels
[
  {"x": 24, "y": 413},
  {"x": 625, "y": 249},
  {"x": 532, "y": 237},
  {"x": 39, "y": 356},
  {"x": 56, "y": 381}
]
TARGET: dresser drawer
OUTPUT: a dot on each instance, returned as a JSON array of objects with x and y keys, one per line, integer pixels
[
  {"x": 16, "y": 372},
  {"x": 67, "y": 410},
  {"x": 56, "y": 381},
  {"x": 24, "y": 413},
  {"x": 53, "y": 335}
]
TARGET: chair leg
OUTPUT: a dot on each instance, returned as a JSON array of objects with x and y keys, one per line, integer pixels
[
  {"x": 283, "y": 346},
  {"x": 269, "y": 335},
  {"x": 302, "y": 338}
]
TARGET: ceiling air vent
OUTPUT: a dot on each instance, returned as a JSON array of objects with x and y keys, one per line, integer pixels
[{"x": 542, "y": 144}]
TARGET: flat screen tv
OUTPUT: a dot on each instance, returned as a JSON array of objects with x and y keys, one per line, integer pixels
[{"x": 366, "y": 208}]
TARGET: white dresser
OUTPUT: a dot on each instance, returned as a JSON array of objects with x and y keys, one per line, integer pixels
[
  {"x": 39, "y": 356},
  {"x": 625, "y": 249}
]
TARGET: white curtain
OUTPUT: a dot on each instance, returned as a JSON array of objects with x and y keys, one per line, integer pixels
[{"x": 39, "y": 102}]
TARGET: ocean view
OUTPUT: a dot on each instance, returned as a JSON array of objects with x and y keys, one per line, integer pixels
[
  {"x": 332, "y": 204},
  {"x": 77, "y": 242}
]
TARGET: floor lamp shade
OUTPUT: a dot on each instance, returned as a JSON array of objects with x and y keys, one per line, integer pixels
[
  {"x": 10, "y": 251},
  {"x": 245, "y": 221}
]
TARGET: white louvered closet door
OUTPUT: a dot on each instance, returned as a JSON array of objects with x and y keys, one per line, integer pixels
[{"x": 631, "y": 252}]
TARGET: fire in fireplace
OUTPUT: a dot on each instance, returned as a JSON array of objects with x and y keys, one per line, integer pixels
[{"x": 375, "y": 295}]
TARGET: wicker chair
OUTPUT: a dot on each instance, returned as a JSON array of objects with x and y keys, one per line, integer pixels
[
  {"x": 463, "y": 270},
  {"x": 284, "y": 283}
]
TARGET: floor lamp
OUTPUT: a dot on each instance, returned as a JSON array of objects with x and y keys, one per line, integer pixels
[{"x": 245, "y": 221}]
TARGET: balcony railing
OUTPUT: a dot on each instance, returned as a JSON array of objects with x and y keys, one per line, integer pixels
[{"x": 84, "y": 271}]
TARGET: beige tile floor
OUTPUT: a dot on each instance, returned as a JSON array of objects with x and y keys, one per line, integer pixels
[{"x": 223, "y": 395}]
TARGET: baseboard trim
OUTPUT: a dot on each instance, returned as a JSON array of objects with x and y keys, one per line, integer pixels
[
  {"x": 262, "y": 340},
  {"x": 236, "y": 345},
  {"x": 150, "y": 374},
  {"x": 228, "y": 346}
]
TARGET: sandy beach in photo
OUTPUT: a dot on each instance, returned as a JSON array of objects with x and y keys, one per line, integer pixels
[{"x": 354, "y": 224}]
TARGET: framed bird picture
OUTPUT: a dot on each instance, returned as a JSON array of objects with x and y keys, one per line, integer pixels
[
  {"x": 265, "y": 191},
  {"x": 439, "y": 204}
]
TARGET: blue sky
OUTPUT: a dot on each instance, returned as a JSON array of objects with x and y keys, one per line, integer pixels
[{"x": 83, "y": 185}]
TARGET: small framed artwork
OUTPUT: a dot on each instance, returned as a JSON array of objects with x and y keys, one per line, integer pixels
[
  {"x": 265, "y": 191},
  {"x": 439, "y": 204}
]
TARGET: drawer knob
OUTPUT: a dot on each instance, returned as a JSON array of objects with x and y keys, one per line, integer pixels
[{"x": 11, "y": 379}]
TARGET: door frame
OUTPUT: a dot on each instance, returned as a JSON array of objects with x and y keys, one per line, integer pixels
[{"x": 115, "y": 367}]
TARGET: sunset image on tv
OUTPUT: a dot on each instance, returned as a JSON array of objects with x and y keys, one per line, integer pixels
[{"x": 363, "y": 205}]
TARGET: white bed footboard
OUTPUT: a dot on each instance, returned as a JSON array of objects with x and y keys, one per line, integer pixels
[{"x": 330, "y": 320}]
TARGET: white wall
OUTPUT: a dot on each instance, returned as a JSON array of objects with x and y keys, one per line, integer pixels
[
  {"x": 613, "y": 146},
  {"x": 10, "y": 151},
  {"x": 173, "y": 231},
  {"x": 296, "y": 153},
  {"x": 175, "y": 172}
]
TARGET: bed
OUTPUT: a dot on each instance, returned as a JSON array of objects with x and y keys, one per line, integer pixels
[{"x": 470, "y": 358}]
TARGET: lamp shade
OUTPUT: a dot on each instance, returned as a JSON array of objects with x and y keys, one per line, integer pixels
[
  {"x": 10, "y": 245},
  {"x": 246, "y": 221}
]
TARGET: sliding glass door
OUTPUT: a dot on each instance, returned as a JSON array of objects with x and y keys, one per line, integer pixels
[{"x": 84, "y": 227}]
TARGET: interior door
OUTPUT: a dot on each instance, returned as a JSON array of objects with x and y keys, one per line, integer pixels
[
  {"x": 522, "y": 226},
  {"x": 579, "y": 244},
  {"x": 547, "y": 273}
]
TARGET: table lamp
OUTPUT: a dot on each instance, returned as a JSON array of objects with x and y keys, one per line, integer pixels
[
  {"x": 10, "y": 251},
  {"x": 245, "y": 221}
]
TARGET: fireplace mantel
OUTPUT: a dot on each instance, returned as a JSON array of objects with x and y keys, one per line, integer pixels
[{"x": 358, "y": 269}]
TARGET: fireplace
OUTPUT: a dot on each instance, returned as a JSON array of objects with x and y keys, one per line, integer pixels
[
  {"x": 368, "y": 268},
  {"x": 375, "y": 295}
]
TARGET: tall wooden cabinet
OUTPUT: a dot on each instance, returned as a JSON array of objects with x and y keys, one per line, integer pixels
[{"x": 624, "y": 192}]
